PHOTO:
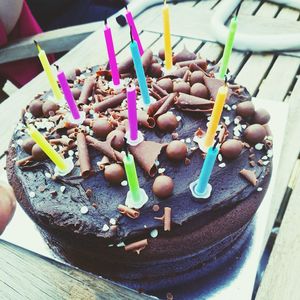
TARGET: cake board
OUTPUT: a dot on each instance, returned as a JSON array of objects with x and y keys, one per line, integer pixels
[{"x": 235, "y": 279}]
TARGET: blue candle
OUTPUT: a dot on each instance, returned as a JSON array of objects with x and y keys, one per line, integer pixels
[
  {"x": 206, "y": 170},
  {"x": 139, "y": 70}
]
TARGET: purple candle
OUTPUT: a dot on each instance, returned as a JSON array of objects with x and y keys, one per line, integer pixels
[
  {"x": 132, "y": 114},
  {"x": 135, "y": 34},
  {"x": 68, "y": 95},
  {"x": 111, "y": 55}
]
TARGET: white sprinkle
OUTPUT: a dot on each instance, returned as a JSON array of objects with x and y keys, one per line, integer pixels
[
  {"x": 219, "y": 127},
  {"x": 13, "y": 145},
  {"x": 222, "y": 165},
  {"x": 244, "y": 126},
  {"x": 48, "y": 175},
  {"x": 71, "y": 152},
  {"x": 182, "y": 140},
  {"x": 227, "y": 122},
  {"x": 98, "y": 163},
  {"x": 259, "y": 146},
  {"x": 161, "y": 170},
  {"x": 31, "y": 194},
  {"x": 236, "y": 121},
  {"x": 220, "y": 158},
  {"x": 105, "y": 228},
  {"x": 188, "y": 140},
  {"x": 156, "y": 163},
  {"x": 233, "y": 106},
  {"x": 145, "y": 226},
  {"x": 270, "y": 153},
  {"x": 84, "y": 210},
  {"x": 20, "y": 142},
  {"x": 124, "y": 183},
  {"x": 110, "y": 245},
  {"x": 178, "y": 118},
  {"x": 112, "y": 221},
  {"x": 90, "y": 98},
  {"x": 92, "y": 112},
  {"x": 236, "y": 133},
  {"x": 227, "y": 107},
  {"x": 266, "y": 162},
  {"x": 154, "y": 233},
  {"x": 121, "y": 245},
  {"x": 259, "y": 189},
  {"x": 62, "y": 188},
  {"x": 264, "y": 157},
  {"x": 88, "y": 71},
  {"x": 208, "y": 118}
]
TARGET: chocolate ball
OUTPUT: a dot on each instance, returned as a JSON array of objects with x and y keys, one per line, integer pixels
[
  {"x": 37, "y": 153},
  {"x": 199, "y": 90},
  {"x": 161, "y": 54},
  {"x": 261, "y": 116},
  {"x": 231, "y": 149},
  {"x": 245, "y": 109},
  {"x": 114, "y": 173},
  {"x": 166, "y": 84},
  {"x": 102, "y": 128},
  {"x": 76, "y": 93},
  {"x": 181, "y": 87},
  {"x": 35, "y": 108},
  {"x": 197, "y": 77},
  {"x": 163, "y": 186},
  {"x": 27, "y": 145},
  {"x": 176, "y": 150},
  {"x": 49, "y": 108},
  {"x": 167, "y": 122},
  {"x": 255, "y": 134},
  {"x": 118, "y": 140},
  {"x": 155, "y": 70}
]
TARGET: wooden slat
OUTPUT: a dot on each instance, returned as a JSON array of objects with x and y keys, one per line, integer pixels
[
  {"x": 211, "y": 51},
  {"x": 206, "y": 4},
  {"x": 190, "y": 44},
  {"x": 27, "y": 276},
  {"x": 281, "y": 279}
]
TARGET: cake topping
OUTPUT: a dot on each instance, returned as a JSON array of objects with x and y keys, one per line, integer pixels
[
  {"x": 163, "y": 186},
  {"x": 167, "y": 122},
  {"x": 165, "y": 105},
  {"x": 102, "y": 128},
  {"x": 27, "y": 145},
  {"x": 117, "y": 138},
  {"x": 202, "y": 63},
  {"x": 114, "y": 173},
  {"x": 87, "y": 89},
  {"x": 166, "y": 84},
  {"x": 137, "y": 246},
  {"x": 110, "y": 102},
  {"x": 249, "y": 175},
  {"x": 129, "y": 212},
  {"x": 213, "y": 86},
  {"x": 166, "y": 218},
  {"x": 155, "y": 70},
  {"x": 35, "y": 107},
  {"x": 84, "y": 158},
  {"x": 176, "y": 150},
  {"x": 49, "y": 108},
  {"x": 187, "y": 102},
  {"x": 155, "y": 207},
  {"x": 231, "y": 148},
  {"x": 181, "y": 86},
  {"x": 180, "y": 72},
  {"x": 255, "y": 134},
  {"x": 199, "y": 90},
  {"x": 37, "y": 153},
  {"x": 245, "y": 109},
  {"x": 183, "y": 55},
  {"x": 146, "y": 154},
  {"x": 261, "y": 116},
  {"x": 197, "y": 76}
]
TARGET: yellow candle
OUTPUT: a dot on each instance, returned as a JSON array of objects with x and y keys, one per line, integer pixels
[
  {"x": 215, "y": 116},
  {"x": 47, "y": 148},
  {"x": 47, "y": 68},
  {"x": 167, "y": 37}
]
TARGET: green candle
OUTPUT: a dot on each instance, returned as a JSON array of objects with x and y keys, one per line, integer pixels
[
  {"x": 228, "y": 48},
  {"x": 132, "y": 179}
]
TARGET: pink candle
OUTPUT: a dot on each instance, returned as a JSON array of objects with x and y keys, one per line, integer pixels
[
  {"x": 111, "y": 55},
  {"x": 132, "y": 113},
  {"x": 134, "y": 33},
  {"x": 68, "y": 95}
]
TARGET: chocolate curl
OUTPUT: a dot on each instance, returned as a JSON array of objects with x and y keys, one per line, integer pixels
[
  {"x": 129, "y": 212},
  {"x": 87, "y": 89},
  {"x": 65, "y": 141},
  {"x": 186, "y": 75},
  {"x": 154, "y": 94},
  {"x": 213, "y": 85},
  {"x": 126, "y": 65},
  {"x": 24, "y": 161},
  {"x": 125, "y": 75},
  {"x": 153, "y": 107},
  {"x": 223, "y": 134},
  {"x": 166, "y": 105},
  {"x": 111, "y": 102},
  {"x": 199, "y": 133},
  {"x": 104, "y": 147},
  {"x": 146, "y": 154},
  {"x": 103, "y": 162},
  {"x": 143, "y": 118},
  {"x": 202, "y": 63},
  {"x": 84, "y": 158},
  {"x": 137, "y": 246},
  {"x": 147, "y": 59},
  {"x": 166, "y": 218},
  {"x": 187, "y": 102},
  {"x": 249, "y": 175},
  {"x": 159, "y": 90},
  {"x": 179, "y": 72}
]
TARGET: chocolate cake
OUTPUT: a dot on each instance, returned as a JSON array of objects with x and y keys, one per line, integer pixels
[{"x": 174, "y": 237}]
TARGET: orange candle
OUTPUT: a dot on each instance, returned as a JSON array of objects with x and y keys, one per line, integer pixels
[{"x": 215, "y": 116}]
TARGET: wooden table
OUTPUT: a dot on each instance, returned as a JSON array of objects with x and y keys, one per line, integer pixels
[{"x": 270, "y": 76}]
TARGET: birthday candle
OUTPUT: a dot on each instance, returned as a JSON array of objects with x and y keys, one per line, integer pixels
[
  {"x": 206, "y": 170},
  {"x": 167, "y": 37},
  {"x": 228, "y": 48},
  {"x": 132, "y": 177},
  {"x": 132, "y": 113},
  {"x": 47, "y": 68},
  {"x": 135, "y": 34},
  {"x": 139, "y": 70},
  {"x": 47, "y": 148},
  {"x": 215, "y": 116},
  {"x": 111, "y": 55},
  {"x": 68, "y": 95}
]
